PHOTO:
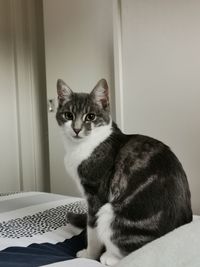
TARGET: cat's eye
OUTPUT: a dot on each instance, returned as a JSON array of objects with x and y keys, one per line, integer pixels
[
  {"x": 90, "y": 117},
  {"x": 68, "y": 116}
]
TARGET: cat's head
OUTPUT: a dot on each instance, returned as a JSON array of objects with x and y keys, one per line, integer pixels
[{"x": 81, "y": 114}]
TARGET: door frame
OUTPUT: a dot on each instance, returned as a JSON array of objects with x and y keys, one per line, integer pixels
[{"x": 118, "y": 62}]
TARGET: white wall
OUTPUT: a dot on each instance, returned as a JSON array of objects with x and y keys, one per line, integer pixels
[
  {"x": 79, "y": 49},
  {"x": 161, "y": 81}
]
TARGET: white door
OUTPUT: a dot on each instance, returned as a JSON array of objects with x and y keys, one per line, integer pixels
[
  {"x": 161, "y": 81},
  {"x": 79, "y": 49},
  {"x": 157, "y": 63}
]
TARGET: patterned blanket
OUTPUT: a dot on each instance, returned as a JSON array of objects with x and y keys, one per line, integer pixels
[{"x": 34, "y": 230}]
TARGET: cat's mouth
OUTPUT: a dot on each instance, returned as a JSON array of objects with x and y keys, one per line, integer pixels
[{"x": 77, "y": 137}]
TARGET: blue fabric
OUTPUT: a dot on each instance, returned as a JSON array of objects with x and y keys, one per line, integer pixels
[{"x": 41, "y": 254}]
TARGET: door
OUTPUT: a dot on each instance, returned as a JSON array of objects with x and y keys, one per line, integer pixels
[{"x": 79, "y": 49}]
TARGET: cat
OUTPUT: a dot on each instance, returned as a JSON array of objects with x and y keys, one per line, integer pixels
[{"x": 135, "y": 187}]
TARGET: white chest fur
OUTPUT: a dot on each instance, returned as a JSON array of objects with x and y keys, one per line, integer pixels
[{"x": 79, "y": 150}]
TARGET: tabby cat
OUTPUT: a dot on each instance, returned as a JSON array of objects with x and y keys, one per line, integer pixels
[{"x": 135, "y": 187}]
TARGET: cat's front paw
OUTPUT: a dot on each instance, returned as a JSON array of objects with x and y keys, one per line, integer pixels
[
  {"x": 108, "y": 259},
  {"x": 82, "y": 254}
]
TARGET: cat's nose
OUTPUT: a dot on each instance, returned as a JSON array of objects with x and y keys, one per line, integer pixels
[{"x": 77, "y": 131}]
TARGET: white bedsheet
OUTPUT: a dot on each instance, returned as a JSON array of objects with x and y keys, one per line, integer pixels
[
  {"x": 76, "y": 263},
  {"x": 179, "y": 248}
]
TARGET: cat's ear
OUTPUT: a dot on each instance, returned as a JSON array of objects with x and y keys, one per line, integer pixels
[
  {"x": 100, "y": 94},
  {"x": 63, "y": 91}
]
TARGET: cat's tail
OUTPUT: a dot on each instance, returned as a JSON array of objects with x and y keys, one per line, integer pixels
[{"x": 77, "y": 220}]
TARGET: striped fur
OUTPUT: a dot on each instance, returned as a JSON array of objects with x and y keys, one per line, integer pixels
[{"x": 135, "y": 187}]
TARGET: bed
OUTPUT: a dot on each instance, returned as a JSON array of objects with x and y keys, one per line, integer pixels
[{"x": 34, "y": 231}]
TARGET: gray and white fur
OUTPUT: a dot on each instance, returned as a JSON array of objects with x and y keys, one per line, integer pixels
[{"x": 135, "y": 187}]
